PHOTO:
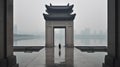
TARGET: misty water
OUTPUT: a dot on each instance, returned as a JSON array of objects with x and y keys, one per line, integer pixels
[
  {"x": 59, "y": 58},
  {"x": 77, "y": 42}
]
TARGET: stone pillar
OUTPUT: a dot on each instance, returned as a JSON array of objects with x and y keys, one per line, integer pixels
[
  {"x": 49, "y": 57},
  {"x": 49, "y": 35},
  {"x": 69, "y": 57},
  {"x": 6, "y": 34},
  {"x": 113, "y": 57},
  {"x": 69, "y": 36},
  {"x": 117, "y": 61},
  {"x": 3, "y": 61},
  {"x": 9, "y": 35}
]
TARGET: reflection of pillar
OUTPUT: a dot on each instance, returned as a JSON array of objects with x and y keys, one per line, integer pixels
[
  {"x": 7, "y": 59},
  {"x": 69, "y": 55},
  {"x": 49, "y": 57}
]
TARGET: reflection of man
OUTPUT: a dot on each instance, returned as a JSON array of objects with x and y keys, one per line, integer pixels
[{"x": 59, "y": 52}]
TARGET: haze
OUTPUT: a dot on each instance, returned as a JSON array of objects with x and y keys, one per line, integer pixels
[{"x": 90, "y": 14}]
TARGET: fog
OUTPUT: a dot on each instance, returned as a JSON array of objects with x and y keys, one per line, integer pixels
[{"x": 90, "y": 14}]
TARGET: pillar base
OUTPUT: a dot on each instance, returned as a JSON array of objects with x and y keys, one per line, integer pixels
[
  {"x": 117, "y": 63},
  {"x": 109, "y": 61},
  {"x": 3, "y": 63},
  {"x": 16, "y": 65},
  {"x": 9, "y": 62},
  {"x": 12, "y": 61}
]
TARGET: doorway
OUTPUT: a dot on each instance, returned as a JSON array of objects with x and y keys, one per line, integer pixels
[{"x": 59, "y": 36}]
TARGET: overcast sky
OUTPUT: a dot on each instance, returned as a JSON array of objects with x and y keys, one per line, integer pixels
[{"x": 28, "y": 15}]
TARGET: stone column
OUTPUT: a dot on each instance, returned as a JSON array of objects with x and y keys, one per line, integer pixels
[
  {"x": 9, "y": 35},
  {"x": 113, "y": 57},
  {"x": 6, "y": 34},
  {"x": 117, "y": 61},
  {"x": 3, "y": 61},
  {"x": 69, "y": 36},
  {"x": 49, "y": 35}
]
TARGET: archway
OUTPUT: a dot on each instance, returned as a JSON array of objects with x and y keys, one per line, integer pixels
[
  {"x": 59, "y": 17},
  {"x": 59, "y": 36},
  {"x": 51, "y": 25}
]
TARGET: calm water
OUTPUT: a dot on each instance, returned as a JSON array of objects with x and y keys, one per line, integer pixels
[
  {"x": 77, "y": 42},
  {"x": 64, "y": 57}
]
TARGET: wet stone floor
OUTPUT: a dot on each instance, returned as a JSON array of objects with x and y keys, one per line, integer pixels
[{"x": 64, "y": 57}]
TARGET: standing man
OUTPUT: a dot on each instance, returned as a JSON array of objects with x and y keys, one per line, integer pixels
[{"x": 59, "y": 46}]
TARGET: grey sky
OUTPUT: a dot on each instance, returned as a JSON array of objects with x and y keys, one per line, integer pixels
[{"x": 28, "y": 15}]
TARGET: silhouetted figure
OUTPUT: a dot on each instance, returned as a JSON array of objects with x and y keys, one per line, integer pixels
[
  {"x": 59, "y": 46},
  {"x": 59, "y": 49}
]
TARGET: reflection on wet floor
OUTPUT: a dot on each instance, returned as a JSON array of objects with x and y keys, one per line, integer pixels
[
  {"x": 54, "y": 59},
  {"x": 64, "y": 57}
]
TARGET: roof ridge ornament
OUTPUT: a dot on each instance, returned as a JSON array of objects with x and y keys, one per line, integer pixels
[
  {"x": 72, "y": 6},
  {"x": 68, "y": 4},
  {"x": 57, "y": 12},
  {"x": 50, "y": 4}
]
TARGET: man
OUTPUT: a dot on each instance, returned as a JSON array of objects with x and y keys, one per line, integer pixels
[{"x": 59, "y": 46}]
